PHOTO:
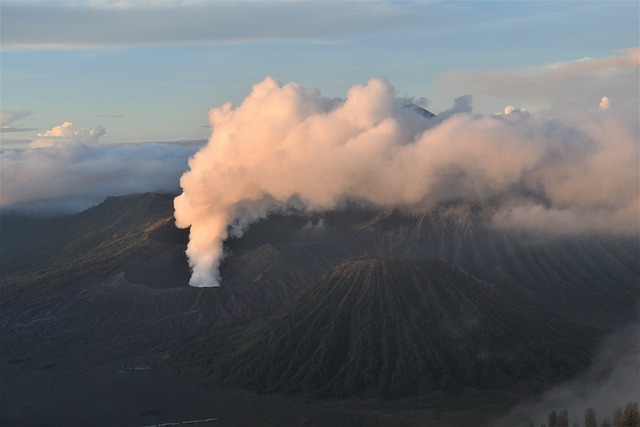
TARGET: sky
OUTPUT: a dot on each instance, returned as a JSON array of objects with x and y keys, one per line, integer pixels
[
  {"x": 134, "y": 71},
  {"x": 245, "y": 107}
]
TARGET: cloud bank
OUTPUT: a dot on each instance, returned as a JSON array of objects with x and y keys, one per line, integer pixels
[
  {"x": 67, "y": 133},
  {"x": 562, "y": 171},
  {"x": 577, "y": 83},
  {"x": 106, "y": 24},
  {"x": 10, "y": 121},
  {"x": 74, "y": 176}
]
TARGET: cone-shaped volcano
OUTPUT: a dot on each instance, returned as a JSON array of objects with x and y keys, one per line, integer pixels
[{"x": 391, "y": 327}]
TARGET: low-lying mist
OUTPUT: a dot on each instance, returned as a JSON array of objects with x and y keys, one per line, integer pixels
[
  {"x": 612, "y": 381},
  {"x": 71, "y": 176}
]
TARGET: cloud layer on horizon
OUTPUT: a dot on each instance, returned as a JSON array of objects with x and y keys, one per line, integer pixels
[
  {"x": 561, "y": 171},
  {"x": 572, "y": 83},
  {"x": 10, "y": 121},
  {"x": 105, "y": 24},
  {"x": 74, "y": 176},
  {"x": 67, "y": 133}
]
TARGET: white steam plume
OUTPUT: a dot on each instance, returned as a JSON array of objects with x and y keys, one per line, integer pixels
[{"x": 578, "y": 170}]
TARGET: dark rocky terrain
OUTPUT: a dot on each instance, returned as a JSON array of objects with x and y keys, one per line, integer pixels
[
  {"x": 422, "y": 309},
  {"x": 389, "y": 327}
]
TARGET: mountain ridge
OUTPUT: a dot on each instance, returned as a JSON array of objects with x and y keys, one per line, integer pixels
[
  {"x": 84, "y": 290},
  {"x": 392, "y": 327}
]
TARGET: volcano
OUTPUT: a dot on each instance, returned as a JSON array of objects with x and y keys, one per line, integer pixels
[
  {"x": 354, "y": 303},
  {"x": 391, "y": 327}
]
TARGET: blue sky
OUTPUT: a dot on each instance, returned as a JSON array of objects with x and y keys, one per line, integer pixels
[{"x": 150, "y": 71}]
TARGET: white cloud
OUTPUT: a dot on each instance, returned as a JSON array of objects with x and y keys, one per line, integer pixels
[
  {"x": 72, "y": 177},
  {"x": 10, "y": 121},
  {"x": 576, "y": 83},
  {"x": 80, "y": 25},
  {"x": 67, "y": 133}
]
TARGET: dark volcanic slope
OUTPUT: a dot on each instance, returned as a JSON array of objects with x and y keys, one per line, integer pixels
[
  {"x": 100, "y": 232},
  {"x": 80, "y": 291},
  {"x": 113, "y": 277},
  {"x": 391, "y": 327},
  {"x": 592, "y": 279},
  {"x": 120, "y": 267}
]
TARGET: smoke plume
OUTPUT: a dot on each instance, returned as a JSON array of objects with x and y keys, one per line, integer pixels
[{"x": 284, "y": 145}]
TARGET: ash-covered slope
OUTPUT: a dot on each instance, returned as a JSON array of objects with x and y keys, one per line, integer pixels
[
  {"x": 112, "y": 277},
  {"x": 109, "y": 283},
  {"x": 126, "y": 257},
  {"x": 591, "y": 279},
  {"x": 391, "y": 327},
  {"x": 33, "y": 243},
  {"x": 115, "y": 276}
]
